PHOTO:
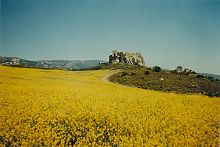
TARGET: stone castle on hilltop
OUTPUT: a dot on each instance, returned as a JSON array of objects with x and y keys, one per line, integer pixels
[{"x": 126, "y": 57}]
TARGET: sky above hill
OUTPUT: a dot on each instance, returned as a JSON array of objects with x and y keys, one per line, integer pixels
[{"x": 168, "y": 33}]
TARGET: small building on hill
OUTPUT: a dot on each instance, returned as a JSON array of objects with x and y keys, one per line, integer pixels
[{"x": 126, "y": 57}]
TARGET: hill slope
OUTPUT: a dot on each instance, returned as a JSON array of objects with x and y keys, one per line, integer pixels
[{"x": 165, "y": 80}]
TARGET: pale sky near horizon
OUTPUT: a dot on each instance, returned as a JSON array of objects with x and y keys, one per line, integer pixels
[{"x": 168, "y": 33}]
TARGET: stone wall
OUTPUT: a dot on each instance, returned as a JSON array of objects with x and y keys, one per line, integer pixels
[{"x": 126, "y": 57}]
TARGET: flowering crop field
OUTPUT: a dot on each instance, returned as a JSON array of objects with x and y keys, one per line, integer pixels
[{"x": 61, "y": 108}]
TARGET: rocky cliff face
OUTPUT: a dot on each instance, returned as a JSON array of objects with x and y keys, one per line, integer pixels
[{"x": 126, "y": 57}]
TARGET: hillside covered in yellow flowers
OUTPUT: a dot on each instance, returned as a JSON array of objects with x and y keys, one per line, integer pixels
[{"x": 61, "y": 108}]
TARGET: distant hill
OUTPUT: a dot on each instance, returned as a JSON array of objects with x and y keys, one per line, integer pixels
[
  {"x": 211, "y": 75},
  {"x": 50, "y": 64}
]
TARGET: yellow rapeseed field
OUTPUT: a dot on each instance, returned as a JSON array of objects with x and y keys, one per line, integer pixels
[{"x": 61, "y": 108}]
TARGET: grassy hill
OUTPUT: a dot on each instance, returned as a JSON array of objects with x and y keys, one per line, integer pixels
[{"x": 164, "y": 80}]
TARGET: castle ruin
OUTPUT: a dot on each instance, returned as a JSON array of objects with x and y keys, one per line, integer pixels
[{"x": 126, "y": 57}]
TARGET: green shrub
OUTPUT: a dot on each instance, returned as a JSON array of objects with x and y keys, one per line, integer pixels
[
  {"x": 147, "y": 72},
  {"x": 124, "y": 73},
  {"x": 199, "y": 76},
  {"x": 156, "y": 69},
  {"x": 132, "y": 73}
]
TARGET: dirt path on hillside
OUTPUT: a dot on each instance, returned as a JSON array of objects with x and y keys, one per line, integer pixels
[{"x": 106, "y": 77}]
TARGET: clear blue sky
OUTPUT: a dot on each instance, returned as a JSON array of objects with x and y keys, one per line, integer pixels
[{"x": 167, "y": 32}]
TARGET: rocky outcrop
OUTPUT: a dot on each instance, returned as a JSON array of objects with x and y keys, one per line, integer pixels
[{"x": 126, "y": 57}]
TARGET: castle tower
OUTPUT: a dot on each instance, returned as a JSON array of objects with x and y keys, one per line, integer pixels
[{"x": 114, "y": 53}]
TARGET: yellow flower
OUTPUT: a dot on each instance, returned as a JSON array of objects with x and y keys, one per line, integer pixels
[{"x": 52, "y": 107}]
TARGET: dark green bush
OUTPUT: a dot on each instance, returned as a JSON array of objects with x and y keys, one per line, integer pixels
[
  {"x": 199, "y": 76},
  {"x": 132, "y": 73},
  {"x": 124, "y": 73},
  {"x": 210, "y": 78},
  {"x": 156, "y": 69},
  {"x": 147, "y": 72}
]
